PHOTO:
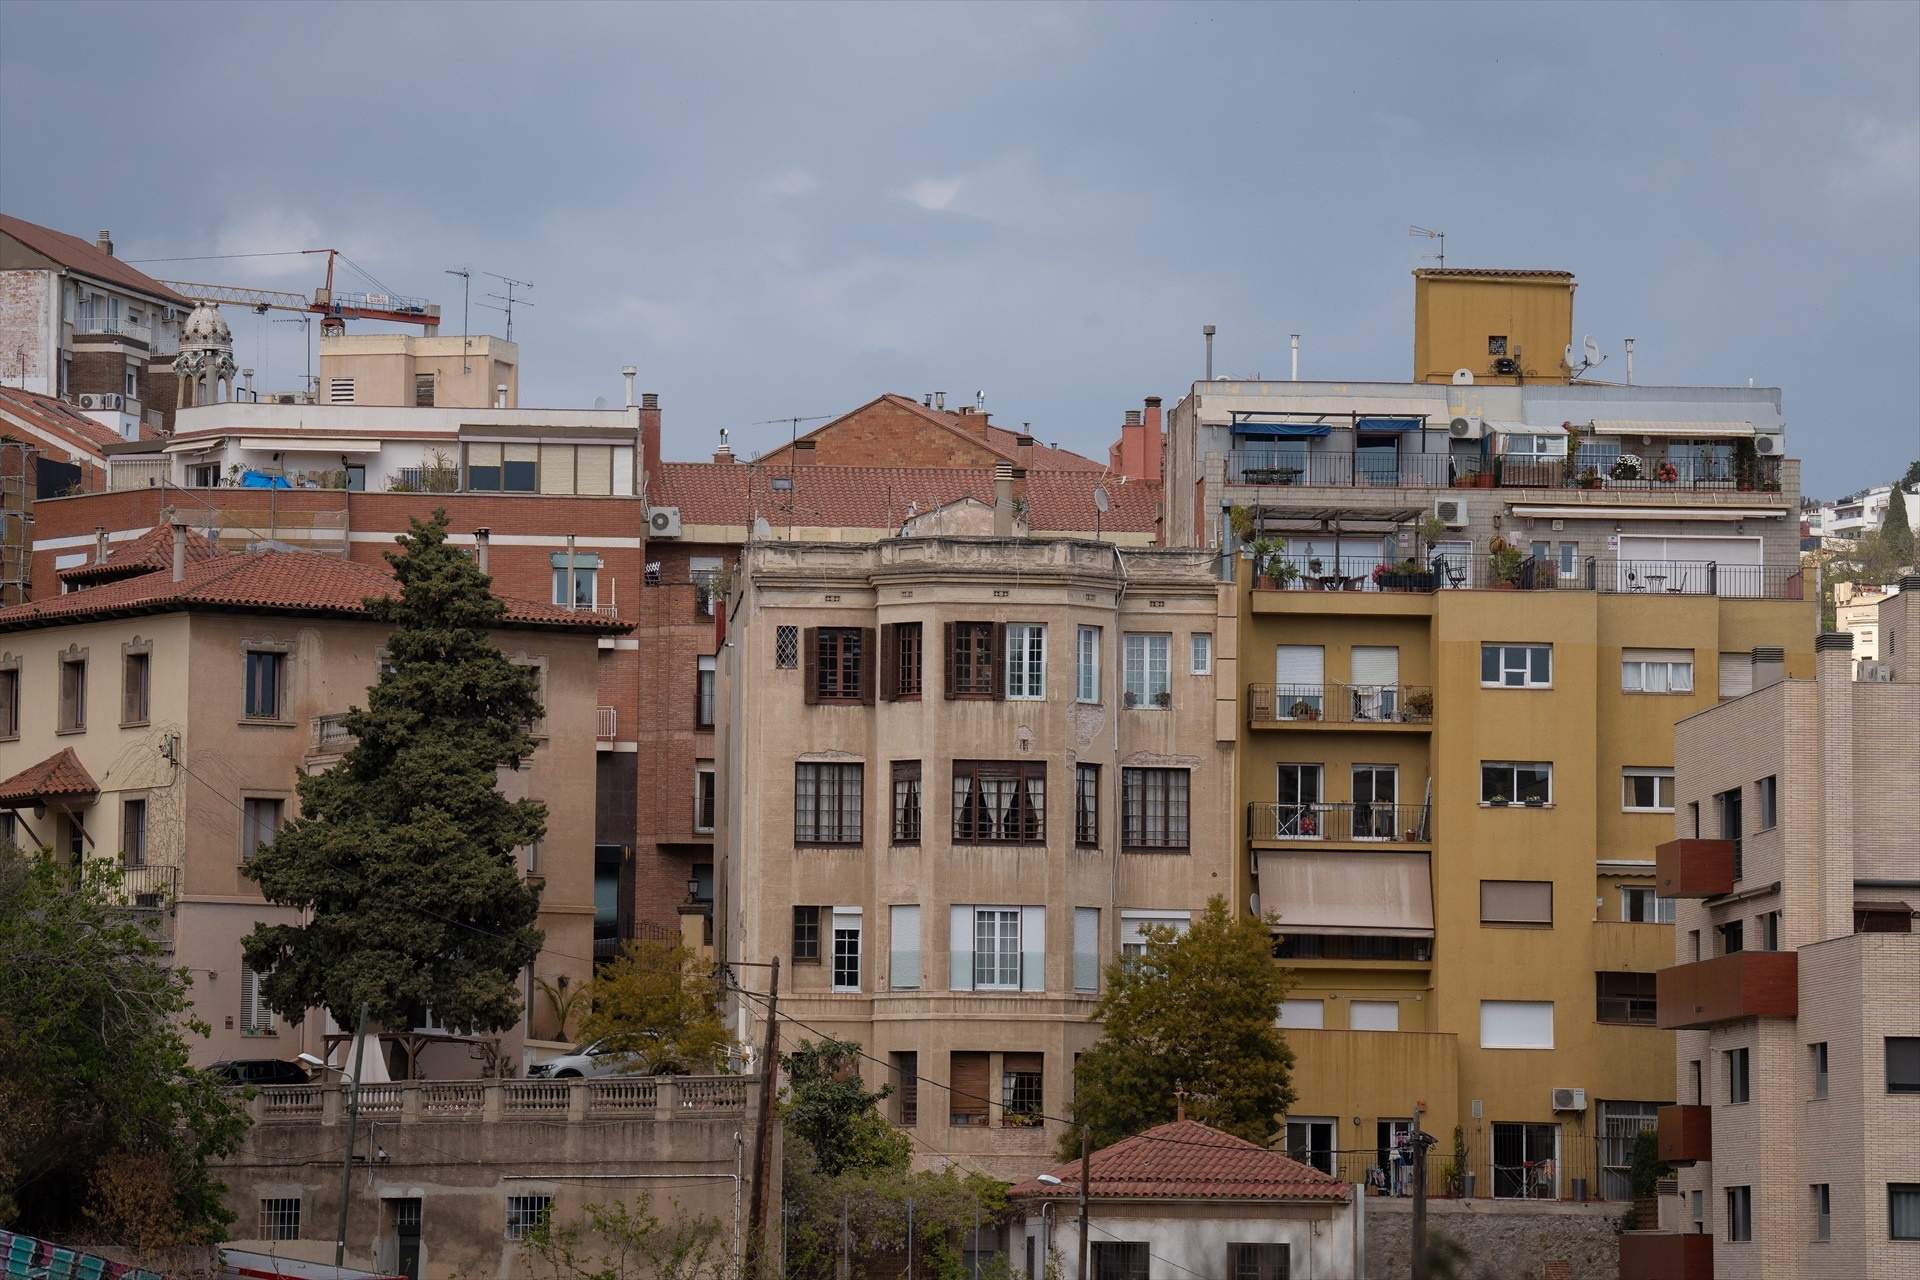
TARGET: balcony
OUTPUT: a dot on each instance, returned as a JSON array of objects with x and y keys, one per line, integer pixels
[
  {"x": 1324, "y": 823},
  {"x": 112, "y": 326},
  {"x": 1373, "y": 706},
  {"x": 1745, "y": 984},
  {"x": 328, "y": 735},
  {"x": 1658, "y": 469},
  {"x": 1666, "y": 1255},
  {"x": 607, "y": 723},
  {"x": 1686, "y": 1134},
  {"x": 148, "y": 888},
  {"x": 1694, "y": 868},
  {"x": 1612, "y": 577}
]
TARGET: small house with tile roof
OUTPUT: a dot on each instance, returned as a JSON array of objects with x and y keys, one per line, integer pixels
[{"x": 1186, "y": 1199}]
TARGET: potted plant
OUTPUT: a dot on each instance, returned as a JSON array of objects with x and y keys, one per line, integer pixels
[
  {"x": 1746, "y": 465},
  {"x": 1303, "y": 710},
  {"x": 1497, "y": 800},
  {"x": 1666, "y": 472},
  {"x": 1505, "y": 560},
  {"x": 1266, "y": 554},
  {"x": 1285, "y": 574},
  {"x": 1418, "y": 706},
  {"x": 1486, "y": 477},
  {"x": 1535, "y": 802},
  {"x": 1590, "y": 478},
  {"x": 1163, "y": 699},
  {"x": 1407, "y": 575},
  {"x": 1624, "y": 468},
  {"x": 1240, "y": 520}
]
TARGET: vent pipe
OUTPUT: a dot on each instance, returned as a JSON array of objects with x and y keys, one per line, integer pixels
[
  {"x": 482, "y": 541},
  {"x": 1206, "y": 331},
  {"x": 628, "y": 372},
  {"x": 500, "y": 396},
  {"x": 940, "y": 400},
  {"x": 1003, "y": 499},
  {"x": 1294, "y": 342},
  {"x": 99, "y": 544},
  {"x": 1629, "y": 345}
]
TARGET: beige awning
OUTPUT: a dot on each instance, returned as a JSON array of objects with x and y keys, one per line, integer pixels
[
  {"x": 1322, "y": 892},
  {"x": 308, "y": 444},
  {"x": 1685, "y": 430},
  {"x": 1526, "y": 429}
]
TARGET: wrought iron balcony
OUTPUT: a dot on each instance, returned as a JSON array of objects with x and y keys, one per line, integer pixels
[
  {"x": 1329, "y": 822},
  {"x": 1364, "y": 704}
]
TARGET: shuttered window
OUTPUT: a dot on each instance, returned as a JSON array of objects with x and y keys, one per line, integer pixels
[
  {"x": 256, "y": 1019},
  {"x": 1021, "y": 1100},
  {"x": 1376, "y": 665},
  {"x": 968, "y": 1081},
  {"x": 903, "y": 930},
  {"x": 839, "y": 664},
  {"x": 972, "y": 651},
  {"x": 1086, "y": 948},
  {"x": 593, "y": 469},
  {"x": 556, "y": 468},
  {"x": 1516, "y": 902},
  {"x": 1736, "y": 675}
]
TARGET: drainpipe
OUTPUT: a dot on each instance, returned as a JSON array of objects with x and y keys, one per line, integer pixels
[
  {"x": 570, "y": 585},
  {"x": 482, "y": 541}
]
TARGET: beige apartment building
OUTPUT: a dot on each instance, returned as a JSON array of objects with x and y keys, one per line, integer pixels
[
  {"x": 959, "y": 775},
  {"x": 159, "y": 722},
  {"x": 419, "y": 371},
  {"x": 1796, "y": 989}
]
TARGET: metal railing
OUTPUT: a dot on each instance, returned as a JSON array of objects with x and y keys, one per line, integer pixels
[
  {"x": 1339, "y": 821},
  {"x": 1292, "y": 571},
  {"x": 117, "y": 326},
  {"x": 137, "y": 473},
  {"x": 1341, "y": 469},
  {"x": 149, "y": 888},
  {"x": 607, "y": 723},
  {"x": 1344, "y": 469},
  {"x": 424, "y": 480},
  {"x": 1340, "y": 703},
  {"x": 1612, "y": 576},
  {"x": 1553, "y": 1161}
]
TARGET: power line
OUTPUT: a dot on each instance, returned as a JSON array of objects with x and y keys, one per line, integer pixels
[{"x": 223, "y": 257}]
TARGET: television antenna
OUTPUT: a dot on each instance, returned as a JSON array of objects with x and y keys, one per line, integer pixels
[
  {"x": 1431, "y": 234},
  {"x": 508, "y": 301},
  {"x": 466, "y": 301}
]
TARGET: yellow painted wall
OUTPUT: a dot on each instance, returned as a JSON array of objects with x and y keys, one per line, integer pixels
[{"x": 1453, "y": 316}]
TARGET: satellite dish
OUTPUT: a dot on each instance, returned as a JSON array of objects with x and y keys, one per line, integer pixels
[
  {"x": 599, "y": 402},
  {"x": 1591, "y": 350},
  {"x": 1101, "y": 502},
  {"x": 762, "y": 531},
  {"x": 1572, "y": 358}
]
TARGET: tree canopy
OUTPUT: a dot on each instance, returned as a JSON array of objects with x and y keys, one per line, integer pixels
[
  {"x": 402, "y": 859},
  {"x": 659, "y": 1007},
  {"x": 1192, "y": 1016},
  {"x": 1896, "y": 535},
  {"x": 105, "y": 1132}
]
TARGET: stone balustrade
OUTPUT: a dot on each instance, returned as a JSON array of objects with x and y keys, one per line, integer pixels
[{"x": 426, "y": 1101}]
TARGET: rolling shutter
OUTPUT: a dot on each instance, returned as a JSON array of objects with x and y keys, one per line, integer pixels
[
  {"x": 556, "y": 468},
  {"x": 1299, "y": 664},
  {"x": 593, "y": 469},
  {"x": 1033, "y": 948},
  {"x": 960, "y": 949},
  {"x": 1086, "y": 948},
  {"x": 903, "y": 928},
  {"x": 1736, "y": 675},
  {"x": 1376, "y": 664},
  {"x": 967, "y": 1081}
]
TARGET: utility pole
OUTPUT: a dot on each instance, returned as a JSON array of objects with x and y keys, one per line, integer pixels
[
  {"x": 763, "y": 1130},
  {"x": 1086, "y": 1166},
  {"x": 353, "y": 1114},
  {"x": 466, "y": 299},
  {"x": 1419, "y": 1142}
]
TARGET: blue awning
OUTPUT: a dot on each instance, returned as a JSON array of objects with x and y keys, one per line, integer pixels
[
  {"x": 1388, "y": 424},
  {"x": 1279, "y": 430}
]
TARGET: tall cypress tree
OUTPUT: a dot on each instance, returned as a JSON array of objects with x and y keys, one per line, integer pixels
[
  {"x": 1896, "y": 535},
  {"x": 402, "y": 858}
]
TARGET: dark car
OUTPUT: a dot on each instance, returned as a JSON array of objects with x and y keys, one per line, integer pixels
[{"x": 258, "y": 1071}]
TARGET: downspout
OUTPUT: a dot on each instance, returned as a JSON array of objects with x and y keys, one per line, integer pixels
[{"x": 1119, "y": 676}]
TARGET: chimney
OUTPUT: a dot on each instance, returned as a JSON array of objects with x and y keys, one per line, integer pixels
[
  {"x": 104, "y": 243},
  {"x": 1293, "y": 341},
  {"x": 1832, "y": 659},
  {"x": 649, "y": 439},
  {"x": 179, "y": 546},
  {"x": 482, "y": 542},
  {"x": 1154, "y": 440},
  {"x": 500, "y": 396},
  {"x": 926, "y": 401},
  {"x": 1770, "y": 665},
  {"x": 725, "y": 452},
  {"x": 1003, "y": 499},
  {"x": 99, "y": 544},
  {"x": 940, "y": 401},
  {"x": 1133, "y": 418},
  {"x": 628, "y": 372},
  {"x": 1206, "y": 331}
]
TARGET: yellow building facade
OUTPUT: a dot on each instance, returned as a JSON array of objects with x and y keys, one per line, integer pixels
[{"x": 1504, "y": 327}]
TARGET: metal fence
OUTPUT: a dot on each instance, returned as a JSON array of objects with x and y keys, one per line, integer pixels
[
  {"x": 1283, "y": 467},
  {"x": 1340, "y": 703},
  {"x": 1323, "y": 821},
  {"x": 1557, "y": 1160}
]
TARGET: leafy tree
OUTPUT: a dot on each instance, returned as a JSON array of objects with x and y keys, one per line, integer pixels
[
  {"x": 1194, "y": 1014},
  {"x": 1912, "y": 477},
  {"x": 831, "y": 1111},
  {"x": 659, "y": 1007},
  {"x": 1896, "y": 535},
  {"x": 402, "y": 860},
  {"x": 105, "y": 1131},
  {"x": 628, "y": 1242}
]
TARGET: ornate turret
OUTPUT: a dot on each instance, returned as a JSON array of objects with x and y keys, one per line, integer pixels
[{"x": 205, "y": 367}]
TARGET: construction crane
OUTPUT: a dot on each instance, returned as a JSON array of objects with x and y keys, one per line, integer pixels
[{"x": 333, "y": 308}]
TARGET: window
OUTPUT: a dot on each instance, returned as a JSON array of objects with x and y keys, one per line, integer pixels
[
  {"x": 806, "y": 935},
  {"x": 9, "y": 828},
  {"x": 1374, "y": 1015},
  {"x": 1569, "y": 558},
  {"x": 1302, "y": 1014},
  {"x": 996, "y": 948},
  {"x": 1769, "y": 793},
  {"x": 972, "y": 659},
  {"x": 786, "y": 647},
  {"x": 10, "y": 701},
  {"x": 1739, "y": 1084},
  {"x": 703, "y": 677},
  {"x": 1516, "y": 1024},
  {"x": 1086, "y": 806},
  {"x": 1086, "y": 948},
  {"x": 503, "y": 468},
  {"x": 256, "y": 1019},
  {"x": 1516, "y": 666},
  {"x": 1310, "y": 1140},
  {"x": 1646, "y": 790},
  {"x": 423, "y": 391},
  {"x": 1504, "y": 782},
  {"x": 906, "y": 1070},
  {"x": 967, "y": 1076},
  {"x": 906, "y": 802},
  {"x": 1625, "y": 998},
  {"x": 703, "y": 795},
  {"x": 340, "y": 391},
  {"x": 265, "y": 668},
  {"x": 133, "y": 833},
  {"x": 1698, "y": 1200},
  {"x": 1145, "y": 664},
  {"x": 838, "y": 669},
  {"x": 1739, "y": 1213},
  {"x": 826, "y": 803},
  {"x": 73, "y": 695},
  {"x": 1026, "y": 661},
  {"x": 1201, "y": 653},
  {"x": 1820, "y": 1203},
  {"x": 846, "y": 948},
  {"x": 1087, "y": 668},
  {"x": 280, "y": 1218},
  {"x": 1817, "y": 1068},
  {"x": 1693, "y": 1077},
  {"x": 1640, "y": 904},
  {"x": 902, "y": 660},
  {"x": 1656, "y": 671},
  {"x": 1541, "y": 552},
  {"x": 1727, "y": 805},
  {"x": 134, "y": 688},
  {"x": 259, "y": 823},
  {"x": 1733, "y": 937},
  {"x": 1516, "y": 902},
  {"x": 1525, "y": 1158},
  {"x": 132, "y": 383},
  {"x": 1497, "y": 344},
  {"x": 526, "y": 1214},
  {"x": 999, "y": 802},
  {"x": 1903, "y": 1210},
  {"x": 1260, "y": 1262},
  {"x": 1769, "y": 929},
  {"x": 1135, "y": 926},
  {"x": 1153, "y": 808},
  {"x": 1020, "y": 1089},
  {"x": 1119, "y": 1259},
  {"x": 903, "y": 932},
  {"x": 1903, "y": 1064},
  {"x": 578, "y": 587}
]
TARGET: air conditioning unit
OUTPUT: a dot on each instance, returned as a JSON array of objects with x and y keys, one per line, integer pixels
[
  {"x": 663, "y": 522},
  {"x": 1506, "y": 366},
  {"x": 1770, "y": 444},
  {"x": 1467, "y": 428},
  {"x": 103, "y": 400},
  {"x": 1451, "y": 512},
  {"x": 1569, "y": 1099}
]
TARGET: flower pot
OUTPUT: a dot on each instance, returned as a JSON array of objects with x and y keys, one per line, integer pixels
[
  {"x": 1501, "y": 584},
  {"x": 1483, "y": 480}
]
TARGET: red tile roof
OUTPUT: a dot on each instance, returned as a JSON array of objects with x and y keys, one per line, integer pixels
[
  {"x": 47, "y": 416},
  {"x": 303, "y": 582},
  {"x": 150, "y": 551},
  {"x": 995, "y": 440},
  {"x": 878, "y": 497},
  {"x": 1187, "y": 1160},
  {"x": 87, "y": 258},
  {"x": 60, "y": 774}
]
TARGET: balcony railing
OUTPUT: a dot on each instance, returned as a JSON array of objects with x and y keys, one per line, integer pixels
[
  {"x": 329, "y": 735},
  {"x": 1631, "y": 473},
  {"x": 1743, "y": 984},
  {"x": 1337, "y": 470},
  {"x": 424, "y": 480},
  {"x": 1339, "y": 703},
  {"x": 112, "y": 326},
  {"x": 406, "y": 1102},
  {"x": 149, "y": 888},
  {"x": 1338, "y": 822},
  {"x": 607, "y": 723},
  {"x": 1609, "y": 576},
  {"x": 1290, "y": 571},
  {"x": 138, "y": 473}
]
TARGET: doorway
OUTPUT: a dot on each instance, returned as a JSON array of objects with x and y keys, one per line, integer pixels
[
  {"x": 1297, "y": 793},
  {"x": 403, "y": 1217},
  {"x": 1376, "y": 788}
]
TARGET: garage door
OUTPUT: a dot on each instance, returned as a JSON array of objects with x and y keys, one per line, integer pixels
[{"x": 1680, "y": 565}]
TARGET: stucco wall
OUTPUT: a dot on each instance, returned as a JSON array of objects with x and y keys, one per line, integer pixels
[{"x": 1502, "y": 1241}]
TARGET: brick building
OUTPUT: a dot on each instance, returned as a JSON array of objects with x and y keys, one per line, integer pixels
[{"x": 47, "y": 448}]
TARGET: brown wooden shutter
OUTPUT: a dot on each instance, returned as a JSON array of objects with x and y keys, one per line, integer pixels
[
  {"x": 869, "y": 650},
  {"x": 947, "y": 663},
  {"x": 1021, "y": 1062},
  {"x": 999, "y": 661},
  {"x": 968, "y": 1084},
  {"x": 890, "y": 662},
  {"x": 810, "y": 665}
]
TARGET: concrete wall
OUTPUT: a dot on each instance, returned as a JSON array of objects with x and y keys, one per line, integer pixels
[
  {"x": 1501, "y": 1240},
  {"x": 466, "y": 372},
  {"x": 1454, "y": 315}
]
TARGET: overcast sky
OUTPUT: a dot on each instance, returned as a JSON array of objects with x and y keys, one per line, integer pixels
[{"x": 785, "y": 210}]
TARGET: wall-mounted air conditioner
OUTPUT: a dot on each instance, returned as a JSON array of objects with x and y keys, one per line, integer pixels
[
  {"x": 103, "y": 400},
  {"x": 1770, "y": 444},
  {"x": 1470, "y": 427},
  {"x": 1569, "y": 1099},
  {"x": 1452, "y": 512},
  {"x": 663, "y": 522}
]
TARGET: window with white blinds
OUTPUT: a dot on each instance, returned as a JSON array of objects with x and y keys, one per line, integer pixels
[
  {"x": 1374, "y": 1015},
  {"x": 1376, "y": 664},
  {"x": 256, "y": 1019},
  {"x": 1736, "y": 675},
  {"x": 903, "y": 929},
  {"x": 1516, "y": 1024},
  {"x": 1299, "y": 664},
  {"x": 997, "y": 948},
  {"x": 1086, "y": 948}
]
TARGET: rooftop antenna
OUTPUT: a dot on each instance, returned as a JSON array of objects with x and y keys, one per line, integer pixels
[
  {"x": 466, "y": 298},
  {"x": 793, "y": 436},
  {"x": 1430, "y": 234},
  {"x": 507, "y": 298}
]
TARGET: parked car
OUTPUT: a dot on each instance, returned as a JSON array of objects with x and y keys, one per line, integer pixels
[
  {"x": 236, "y": 1071},
  {"x": 596, "y": 1059}
]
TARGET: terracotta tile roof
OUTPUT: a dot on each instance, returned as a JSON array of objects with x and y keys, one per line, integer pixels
[
  {"x": 86, "y": 257},
  {"x": 996, "y": 440},
  {"x": 1457, "y": 272},
  {"x": 1187, "y": 1160},
  {"x": 304, "y": 582},
  {"x": 60, "y": 774},
  {"x": 877, "y": 497},
  {"x": 54, "y": 417},
  {"x": 150, "y": 551}
]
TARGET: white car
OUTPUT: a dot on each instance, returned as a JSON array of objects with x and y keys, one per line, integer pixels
[{"x": 585, "y": 1060}]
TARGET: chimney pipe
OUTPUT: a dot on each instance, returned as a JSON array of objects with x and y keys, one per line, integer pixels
[
  {"x": 1294, "y": 342},
  {"x": 482, "y": 541},
  {"x": 725, "y": 452},
  {"x": 940, "y": 401},
  {"x": 99, "y": 544},
  {"x": 1629, "y": 345},
  {"x": 179, "y": 546},
  {"x": 1206, "y": 331},
  {"x": 1003, "y": 499},
  {"x": 104, "y": 243},
  {"x": 628, "y": 372}
]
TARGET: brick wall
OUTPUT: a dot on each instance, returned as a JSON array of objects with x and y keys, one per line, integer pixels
[{"x": 886, "y": 434}]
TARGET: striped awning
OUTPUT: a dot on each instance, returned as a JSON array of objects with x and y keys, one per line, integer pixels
[{"x": 1682, "y": 430}]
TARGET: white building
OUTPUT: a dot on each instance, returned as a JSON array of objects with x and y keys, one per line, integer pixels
[{"x": 1864, "y": 512}]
